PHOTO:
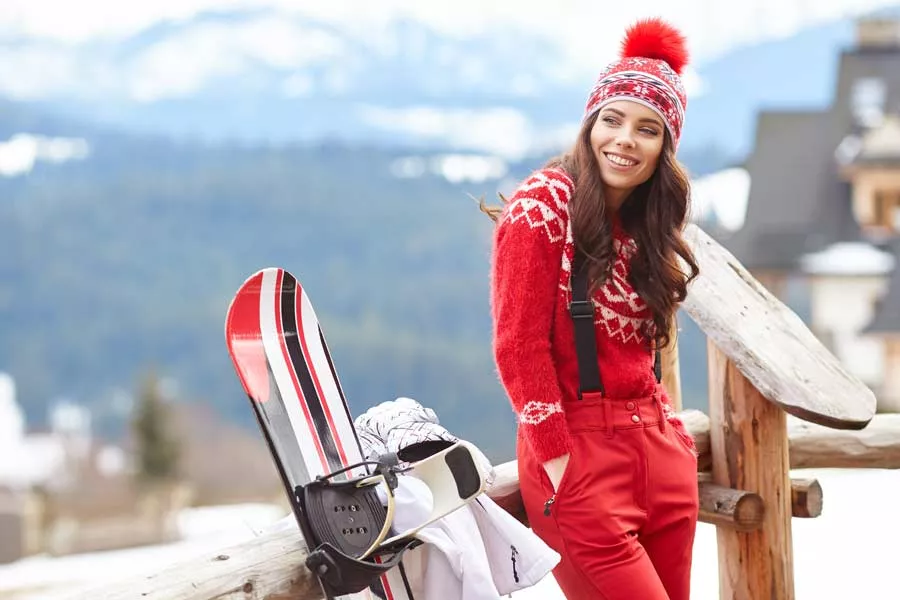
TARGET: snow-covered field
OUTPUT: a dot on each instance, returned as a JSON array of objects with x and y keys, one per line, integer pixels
[{"x": 851, "y": 551}]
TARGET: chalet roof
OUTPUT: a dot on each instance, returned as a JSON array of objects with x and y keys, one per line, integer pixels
[
  {"x": 887, "y": 310},
  {"x": 798, "y": 202}
]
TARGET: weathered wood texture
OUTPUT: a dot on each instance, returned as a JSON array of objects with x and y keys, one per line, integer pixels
[
  {"x": 806, "y": 501},
  {"x": 671, "y": 368},
  {"x": 697, "y": 423},
  {"x": 877, "y": 446},
  {"x": 769, "y": 344},
  {"x": 269, "y": 567},
  {"x": 748, "y": 436},
  {"x": 725, "y": 507},
  {"x": 818, "y": 447},
  {"x": 806, "y": 498}
]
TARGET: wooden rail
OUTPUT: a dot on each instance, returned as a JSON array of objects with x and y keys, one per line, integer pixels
[
  {"x": 816, "y": 447},
  {"x": 268, "y": 567}
]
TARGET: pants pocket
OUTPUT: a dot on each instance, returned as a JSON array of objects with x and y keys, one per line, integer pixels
[
  {"x": 554, "y": 495},
  {"x": 685, "y": 438}
]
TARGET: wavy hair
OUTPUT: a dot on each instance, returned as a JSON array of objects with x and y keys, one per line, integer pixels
[{"x": 654, "y": 214}]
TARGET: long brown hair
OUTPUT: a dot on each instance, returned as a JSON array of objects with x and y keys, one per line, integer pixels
[{"x": 654, "y": 215}]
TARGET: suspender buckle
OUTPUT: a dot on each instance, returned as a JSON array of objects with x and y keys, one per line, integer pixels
[{"x": 581, "y": 309}]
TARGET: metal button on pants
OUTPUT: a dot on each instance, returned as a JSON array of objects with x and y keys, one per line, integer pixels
[{"x": 624, "y": 516}]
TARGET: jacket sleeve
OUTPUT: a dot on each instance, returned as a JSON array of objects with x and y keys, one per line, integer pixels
[{"x": 525, "y": 277}]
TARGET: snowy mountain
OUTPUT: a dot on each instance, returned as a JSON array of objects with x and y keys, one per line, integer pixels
[
  {"x": 268, "y": 75},
  {"x": 279, "y": 76}
]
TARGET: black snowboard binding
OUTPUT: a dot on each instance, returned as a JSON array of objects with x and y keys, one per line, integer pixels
[{"x": 346, "y": 526}]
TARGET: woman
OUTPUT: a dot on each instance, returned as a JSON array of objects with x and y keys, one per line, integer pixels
[{"x": 607, "y": 471}]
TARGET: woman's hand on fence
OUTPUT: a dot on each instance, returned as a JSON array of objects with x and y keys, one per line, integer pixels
[{"x": 555, "y": 468}]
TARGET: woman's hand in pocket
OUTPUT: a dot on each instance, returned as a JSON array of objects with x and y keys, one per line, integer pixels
[{"x": 555, "y": 468}]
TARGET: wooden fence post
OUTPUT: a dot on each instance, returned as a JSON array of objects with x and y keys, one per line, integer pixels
[
  {"x": 749, "y": 441},
  {"x": 671, "y": 368}
]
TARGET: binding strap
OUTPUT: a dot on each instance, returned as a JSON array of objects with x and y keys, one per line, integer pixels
[{"x": 582, "y": 312}]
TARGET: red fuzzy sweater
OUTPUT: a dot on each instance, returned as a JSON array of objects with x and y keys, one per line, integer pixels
[{"x": 534, "y": 344}]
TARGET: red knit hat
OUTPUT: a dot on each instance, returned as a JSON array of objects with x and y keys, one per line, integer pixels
[{"x": 648, "y": 71}]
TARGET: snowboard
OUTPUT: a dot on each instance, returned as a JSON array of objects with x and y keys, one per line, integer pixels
[{"x": 281, "y": 357}]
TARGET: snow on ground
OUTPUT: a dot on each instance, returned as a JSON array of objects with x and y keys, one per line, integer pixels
[{"x": 850, "y": 551}]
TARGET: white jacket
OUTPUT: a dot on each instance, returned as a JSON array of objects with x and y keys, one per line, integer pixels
[{"x": 479, "y": 552}]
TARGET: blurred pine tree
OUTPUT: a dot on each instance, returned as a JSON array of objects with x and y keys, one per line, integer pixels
[{"x": 157, "y": 448}]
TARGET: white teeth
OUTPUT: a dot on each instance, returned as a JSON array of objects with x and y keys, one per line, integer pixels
[{"x": 620, "y": 161}]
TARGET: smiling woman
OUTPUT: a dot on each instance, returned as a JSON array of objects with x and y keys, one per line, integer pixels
[{"x": 586, "y": 279}]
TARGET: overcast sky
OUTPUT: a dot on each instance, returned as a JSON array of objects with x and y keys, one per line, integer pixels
[{"x": 592, "y": 28}]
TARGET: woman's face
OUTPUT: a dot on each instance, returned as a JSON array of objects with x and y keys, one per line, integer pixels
[{"x": 627, "y": 140}]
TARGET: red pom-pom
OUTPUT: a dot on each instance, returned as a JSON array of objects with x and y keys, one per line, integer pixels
[{"x": 654, "y": 38}]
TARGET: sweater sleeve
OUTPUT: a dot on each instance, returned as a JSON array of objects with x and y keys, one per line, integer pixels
[{"x": 528, "y": 248}]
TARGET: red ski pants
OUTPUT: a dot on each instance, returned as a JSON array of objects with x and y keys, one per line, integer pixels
[{"x": 624, "y": 514}]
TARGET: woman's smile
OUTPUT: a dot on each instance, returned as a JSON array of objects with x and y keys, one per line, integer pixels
[{"x": 620, "y": 161}]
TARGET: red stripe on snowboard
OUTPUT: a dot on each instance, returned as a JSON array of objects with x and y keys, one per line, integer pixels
[
  {"x": 312, "y": 371},
  {"x": 244, "y": 336},
  {"x": 287, "y": 359}
]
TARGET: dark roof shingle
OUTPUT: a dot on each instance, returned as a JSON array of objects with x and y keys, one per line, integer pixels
[{"x": 797, "y": 204}]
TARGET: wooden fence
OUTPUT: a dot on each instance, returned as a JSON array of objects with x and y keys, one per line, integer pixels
[{"x": 778, "y": 400}]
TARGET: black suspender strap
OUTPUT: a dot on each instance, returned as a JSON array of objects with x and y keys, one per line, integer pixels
[
  {"x": 582, "y": 311},
  {"x": 657, "y": 366}
]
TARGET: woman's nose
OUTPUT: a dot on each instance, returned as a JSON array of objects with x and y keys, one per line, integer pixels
[{"x": 625, "y": 139}]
